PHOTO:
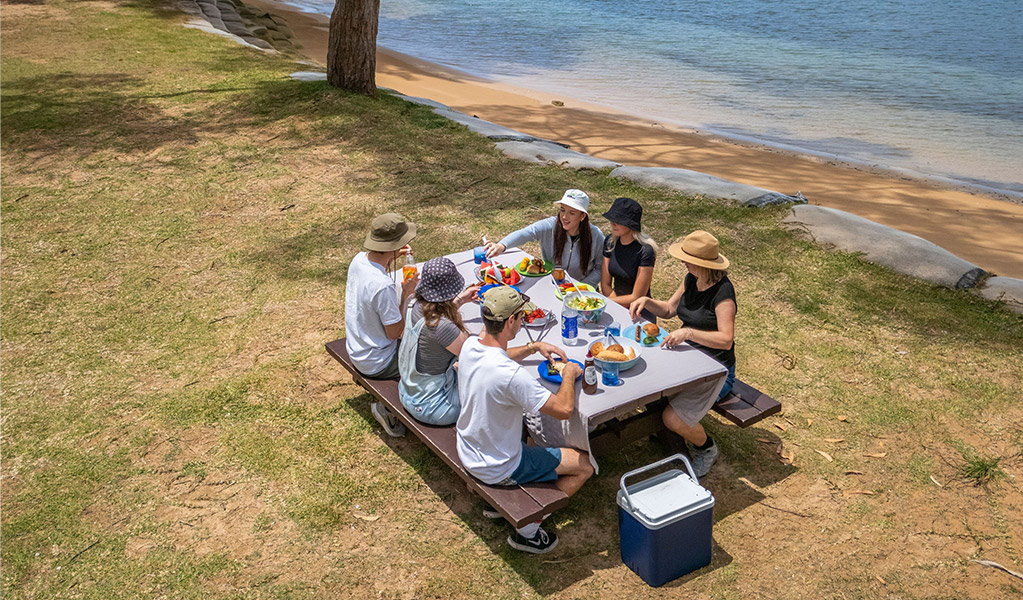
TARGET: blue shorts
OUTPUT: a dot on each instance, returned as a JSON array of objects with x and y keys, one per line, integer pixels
[{"x": 536, "y": 464}]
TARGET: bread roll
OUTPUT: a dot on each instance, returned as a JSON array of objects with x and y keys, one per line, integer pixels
[
  {"x": 596, "y": 348},
  {"x": 651, "y": 330},
  {"x": 630, "y": 353},
  {"x": 615, "y": 348},
  {"x": 612, "y": 356}
]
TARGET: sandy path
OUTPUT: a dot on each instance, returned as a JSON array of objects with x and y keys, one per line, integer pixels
[{"x": 985, "y": 231}]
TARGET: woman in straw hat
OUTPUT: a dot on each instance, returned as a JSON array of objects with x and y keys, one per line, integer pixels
[
  {"x": 434, "y": 334},
  {"x": 705, "y": 303},
  {"x": 567, "y": 239}
]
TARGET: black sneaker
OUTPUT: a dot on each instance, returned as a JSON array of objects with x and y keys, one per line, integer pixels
[
  {"x": 541, "y": 543},
  {"x": 490, "y": 512}
]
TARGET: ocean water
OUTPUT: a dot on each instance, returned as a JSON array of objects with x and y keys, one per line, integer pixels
[{"x": 934, "y": 87}]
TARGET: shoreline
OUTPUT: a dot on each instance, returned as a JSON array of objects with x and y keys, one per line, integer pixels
[{"x": 981, "y": 228}]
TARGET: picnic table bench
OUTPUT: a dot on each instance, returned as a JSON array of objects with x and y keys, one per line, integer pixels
[
  {"x": 519, "y": 505},
  {"x": 744, "y": 406}
]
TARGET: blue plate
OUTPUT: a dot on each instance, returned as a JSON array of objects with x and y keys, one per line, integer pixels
[
  {"x": 630, "y": 334},
  {"x": 542, "y": 370},
  {"x": 483, "y": 291}
]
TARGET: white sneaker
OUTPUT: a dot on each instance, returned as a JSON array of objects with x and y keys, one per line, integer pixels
[
  {"x": 704, "y": 459},
  {"x": 387, "y": 420}
]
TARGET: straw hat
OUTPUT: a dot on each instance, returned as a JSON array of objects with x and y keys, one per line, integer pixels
[
  {"x": 389, "y": 232},
  {"x": 699, "y": 248}
]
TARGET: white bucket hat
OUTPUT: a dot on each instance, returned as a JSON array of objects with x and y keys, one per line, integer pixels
[{"x": 576, "y": 199}]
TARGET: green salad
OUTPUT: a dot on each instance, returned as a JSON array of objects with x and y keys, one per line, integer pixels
[{"x": 585, "y": 302}]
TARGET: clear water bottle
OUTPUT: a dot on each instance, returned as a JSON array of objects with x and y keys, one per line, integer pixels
[{"x": 569, "y": 326}]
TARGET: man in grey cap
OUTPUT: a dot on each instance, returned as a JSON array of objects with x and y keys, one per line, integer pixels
[
  {"x": 495, "y": 392},
  {"x": 374, "y": 321}
]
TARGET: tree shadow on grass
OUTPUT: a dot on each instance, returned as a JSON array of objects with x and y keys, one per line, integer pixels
[{"x": 86, "y": 113}]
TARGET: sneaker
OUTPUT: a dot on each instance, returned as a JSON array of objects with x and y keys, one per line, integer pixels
[
  {"x": 704, "y": 459},
  {"x": 541, "y": 543},
  {"x": 491, "y": 513},
  {"x": 387, "y": 420}
]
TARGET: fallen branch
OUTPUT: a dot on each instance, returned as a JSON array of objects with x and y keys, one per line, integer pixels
[
  {"x": 994, "y": 565},
  {"x": 805, "y": 516},
  {"x": 90, "y": 547}
]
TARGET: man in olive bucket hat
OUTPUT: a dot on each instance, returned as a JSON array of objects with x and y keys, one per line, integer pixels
[
  {"x": 374, "y": 321},
  {"x": 495, "y": 391}
]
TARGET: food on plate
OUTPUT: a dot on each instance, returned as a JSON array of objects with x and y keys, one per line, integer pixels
[
  {"x": 612, "y": 356},
  {"x": 531, "y": 265},
  {"x": 555, "y": 368},
  {"x": 567, "y": 287},
  {"x": 596, "y": 348},
  {"x": 585, "y": 302},
  {"x": 537, "y": 315},
  {"x": 637, "y": 334},
  {"x": 630, "y": 353},
  {"x": 496, "y": 273},
  {"x": 652, "y": 329},
  {"x": 615, "y": 348}
]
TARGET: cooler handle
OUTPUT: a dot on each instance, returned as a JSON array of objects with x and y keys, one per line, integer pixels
[{"x": 650, "y": 467}]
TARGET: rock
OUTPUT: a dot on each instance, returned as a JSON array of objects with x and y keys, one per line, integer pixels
[
  {"x": 421, "y": 101},
  {"x": 547, "y": 153},
  {"x": 238, "y": 29},
  {"x": 255, "y": 41},
  {"x": 702, "y": 184},
  {"x": 286, "y": 30},
  {"x": 277, "y": 36},
  {"x": 484, "y": 128},
  {"x": 309, "y": 76},
  {"x": 278, "y": 20},
  {"x": 1004, "y": 289},
  {"x": 210, "y": 10},
  {"x": 902, "y": 252},
  {"x": 259, "y": 30}
]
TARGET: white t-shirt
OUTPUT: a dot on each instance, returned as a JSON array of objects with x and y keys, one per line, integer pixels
[
  {"x": 371, "y": 302},
  {"x": 495, "y": 392}
]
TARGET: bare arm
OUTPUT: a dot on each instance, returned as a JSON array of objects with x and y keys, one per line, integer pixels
[
  {"x": 395, "y": 330},
  {"x": 721, "y": 339},
  {"x": 519, "y": 353},
  {"x": 562, "y": 404},
  {"x": 664, "y": 309},
  {"x": 643, "y": 278},
  {"x": 605, "y": 278}
]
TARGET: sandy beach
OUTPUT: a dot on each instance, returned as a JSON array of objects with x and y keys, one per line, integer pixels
[{"x": 984, "y": 230}]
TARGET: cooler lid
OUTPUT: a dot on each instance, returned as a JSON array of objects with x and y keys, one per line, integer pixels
[{"x": 666, "y": 498}]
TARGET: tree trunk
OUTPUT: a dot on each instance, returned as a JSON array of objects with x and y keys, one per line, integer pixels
[{"x": 352, "y": 45}]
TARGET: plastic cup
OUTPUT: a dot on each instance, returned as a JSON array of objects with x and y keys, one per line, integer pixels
[
  {"x": 479, "y": 254},
  {"x": 609, "y": 374},
  {"x": 614, "y": 328}
]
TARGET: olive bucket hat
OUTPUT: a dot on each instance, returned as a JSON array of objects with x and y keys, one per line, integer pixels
[{"x": 389, "y": 232}]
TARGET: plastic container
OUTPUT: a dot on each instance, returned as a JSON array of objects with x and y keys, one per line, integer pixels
[
  {"x": 664, "y": 523},
  {"x": 569, "y": 326}
]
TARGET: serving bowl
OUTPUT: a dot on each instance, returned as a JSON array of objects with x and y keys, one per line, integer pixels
[
  {"x": 587, "y": 316},
  {"x": 622, "y": 365}
]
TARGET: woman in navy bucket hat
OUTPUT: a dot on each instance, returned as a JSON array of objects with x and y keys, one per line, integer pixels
[
  {"x": 434, "y": 334},
  {"x": 629, "y": 256}
]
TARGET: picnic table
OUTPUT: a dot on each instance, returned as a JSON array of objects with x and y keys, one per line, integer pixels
[{"x": 659, "y": 373}]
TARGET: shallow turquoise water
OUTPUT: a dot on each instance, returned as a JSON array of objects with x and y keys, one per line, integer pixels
[{"x": 930, "y": 86}]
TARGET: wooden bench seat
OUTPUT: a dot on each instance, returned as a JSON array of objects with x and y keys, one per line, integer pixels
[
  {"x": 746, "y": 405},
  {"x": 519, "y": 505}
]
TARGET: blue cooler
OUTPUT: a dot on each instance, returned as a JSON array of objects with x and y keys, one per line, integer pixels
[{"x": 664, "y": 523}]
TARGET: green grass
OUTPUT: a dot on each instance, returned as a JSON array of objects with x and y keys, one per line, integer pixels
[{"x": 178, "y": 218}]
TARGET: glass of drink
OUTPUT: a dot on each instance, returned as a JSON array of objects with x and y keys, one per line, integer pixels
[
  {"x": 558, "y": 273},
  {"x": 614, "y": 328},
  {"x": 609, "y": 374},
  {"x": 479, "y": 254}
]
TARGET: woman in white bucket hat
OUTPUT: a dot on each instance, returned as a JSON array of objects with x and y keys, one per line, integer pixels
[{"x": 567, "y": 239}]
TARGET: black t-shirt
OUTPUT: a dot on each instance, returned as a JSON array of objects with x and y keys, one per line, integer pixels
[
  {"x": 624, "y": 265},
  {"x": 696, "y": 310}
]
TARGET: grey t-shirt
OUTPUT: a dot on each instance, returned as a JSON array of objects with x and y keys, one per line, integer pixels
[{"x": 432, "y": 356}]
